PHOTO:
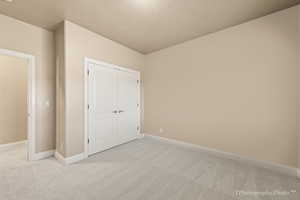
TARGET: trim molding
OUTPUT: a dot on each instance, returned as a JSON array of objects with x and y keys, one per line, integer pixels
[
  {"x": 4, "y": 146},
  {"x": 31, "y": 99},
  {"x": 43, "y": 155},
  {"x": 59, "y": 157},
  {"x": 69, "y": 160},
  {"x": 258, "y": 163},
  {"x": 35, "y": 156}
]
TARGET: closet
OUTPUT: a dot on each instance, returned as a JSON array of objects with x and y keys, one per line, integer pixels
[{"x": 113, "y": 106}]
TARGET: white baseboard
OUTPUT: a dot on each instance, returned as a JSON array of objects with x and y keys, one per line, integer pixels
[
  {"x": 264, "y": 164},
  {"x": 59, "y": 157},
  {"x": 69, "y": 160},
  {"x": 35, "y": 156},
  {"x": 43, "y": 155},
  {"x": 5, "y": 146},
  {"x": 78, "y": 157},
  {"x": 74, "y": 159}
]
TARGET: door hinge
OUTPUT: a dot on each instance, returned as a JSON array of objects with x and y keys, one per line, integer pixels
[
  {"x": 88, "y": 106},
  {"x": 138, "y": 105},
  {"x": 88, "y": 72},
  {"x": 138, "y": 128},
  {"x": 138, "y": 81},
  {"x": 88, "y": 141}
]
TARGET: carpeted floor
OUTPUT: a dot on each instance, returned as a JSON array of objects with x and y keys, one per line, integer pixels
[{"x": 145, "y": 169}]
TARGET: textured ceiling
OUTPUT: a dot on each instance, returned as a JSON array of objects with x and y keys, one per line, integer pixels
[{"x": 144, "y": 25}]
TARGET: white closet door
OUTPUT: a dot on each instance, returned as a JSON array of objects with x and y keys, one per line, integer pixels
[
  {"x": 102, "y": 108},
  {"x": 128, "y": 108}
]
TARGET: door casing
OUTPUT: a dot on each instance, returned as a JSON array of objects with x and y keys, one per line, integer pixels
[
  {"x": 31, "y": 101},
  {"x": 87, "y": 61}
]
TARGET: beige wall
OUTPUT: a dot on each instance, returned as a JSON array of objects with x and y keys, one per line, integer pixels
[
  {"x": 13, "y": 95},
  {"x": 299, "y": 90},
  {"x": 60, "y": 88},
  {"x": 82, "y": 43},
  {"x": 18, "y": 36},
  {"x": 234, "y": 90}
]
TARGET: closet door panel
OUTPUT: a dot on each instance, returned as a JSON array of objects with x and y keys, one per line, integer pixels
[
  {"x": 127, "y": 103},
  {"x": 102, "y": 104}
]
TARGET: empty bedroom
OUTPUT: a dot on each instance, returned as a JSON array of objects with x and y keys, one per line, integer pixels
[{"x": 149, "y": 100}]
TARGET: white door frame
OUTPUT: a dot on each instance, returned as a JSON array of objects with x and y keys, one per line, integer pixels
[
  {"x": 31, "y": 99},
  {"x": 86, "y": 100}
]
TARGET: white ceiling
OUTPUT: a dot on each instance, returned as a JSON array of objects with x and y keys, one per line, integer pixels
[{"x": 144, "y": 25}]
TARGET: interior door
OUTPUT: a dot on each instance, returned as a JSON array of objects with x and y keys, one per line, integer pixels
[
  {"x": 128, "y": 106},
  {"x": 102, "y": 108}
]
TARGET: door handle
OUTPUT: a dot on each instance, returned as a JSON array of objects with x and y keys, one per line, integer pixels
[
  {"x": 120, "y": 111},
  {"x": 115, "y": 111}
]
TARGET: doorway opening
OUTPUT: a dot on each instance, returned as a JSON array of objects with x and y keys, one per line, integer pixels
[{"x": 17, "y": 107}]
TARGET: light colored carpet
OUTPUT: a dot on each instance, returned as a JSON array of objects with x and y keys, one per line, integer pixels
[{"x": 144, "y": 169}]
